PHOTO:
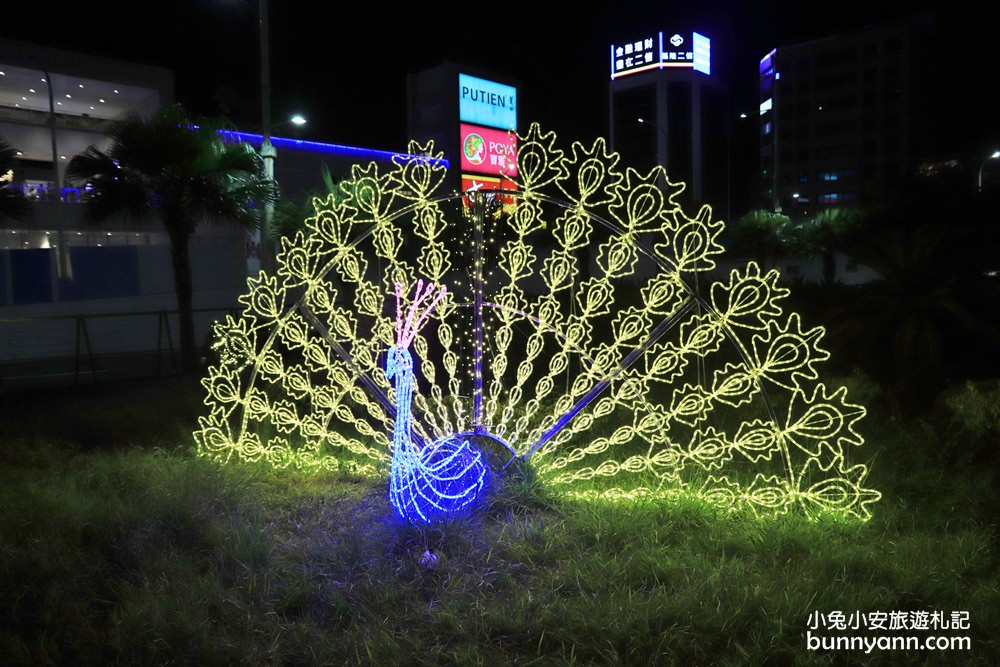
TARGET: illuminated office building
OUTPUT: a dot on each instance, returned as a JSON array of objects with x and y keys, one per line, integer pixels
[
  {"x": 841, "y": 118},
  {"x": 666, "y": 79}
]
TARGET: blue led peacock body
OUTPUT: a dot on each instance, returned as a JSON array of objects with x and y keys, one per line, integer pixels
[{"x": 439, "y": 480}]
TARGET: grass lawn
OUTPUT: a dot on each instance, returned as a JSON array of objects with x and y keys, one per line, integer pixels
[{"x": 119, "y": 546}]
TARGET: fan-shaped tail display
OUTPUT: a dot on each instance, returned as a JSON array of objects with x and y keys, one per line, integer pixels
[{"x": 590, "y": 327}]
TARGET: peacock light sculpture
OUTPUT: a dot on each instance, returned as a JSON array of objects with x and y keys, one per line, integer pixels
[
  {"x": 432, "y": 482},
  {"x": 587, "y": 329}
]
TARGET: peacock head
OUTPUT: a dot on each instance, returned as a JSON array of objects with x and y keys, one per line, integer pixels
[
  {"x": 408, "y": 323},
  {"x": 398, "y": 363}
]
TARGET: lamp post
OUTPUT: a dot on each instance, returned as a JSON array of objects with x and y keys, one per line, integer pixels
[
  {"x": 993, "y": 156},
  {"x": 662, "y": 132},
  {"x": 267, "y": 152},
  {"x": 62, "y": 252}
]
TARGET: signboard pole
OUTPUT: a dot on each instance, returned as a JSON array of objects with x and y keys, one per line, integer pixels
[{"x": 478, "y": 215}]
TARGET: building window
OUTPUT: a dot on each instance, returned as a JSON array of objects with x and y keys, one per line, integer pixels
[
  {"x": 836, "y": 175},
  {"x": 832, "y": 198}
]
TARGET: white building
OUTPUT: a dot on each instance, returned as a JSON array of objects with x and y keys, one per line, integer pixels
[{"x": 78, "y": 301}]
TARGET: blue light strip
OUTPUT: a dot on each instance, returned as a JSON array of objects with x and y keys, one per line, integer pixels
[{"x": 352, "y": 152}]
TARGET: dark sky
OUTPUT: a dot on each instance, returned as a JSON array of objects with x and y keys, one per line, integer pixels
[{"x": 344, "y": 65}]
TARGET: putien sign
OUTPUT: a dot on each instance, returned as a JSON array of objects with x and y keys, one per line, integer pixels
[{"x": 487, "y": 102}]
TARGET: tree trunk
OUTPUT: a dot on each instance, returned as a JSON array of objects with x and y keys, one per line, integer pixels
[
  {"x": 183, "y": 288},
  {"x": 829, "y": 268}
]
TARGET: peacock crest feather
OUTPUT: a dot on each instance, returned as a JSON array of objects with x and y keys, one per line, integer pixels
[{"x": 587, "y": 328}]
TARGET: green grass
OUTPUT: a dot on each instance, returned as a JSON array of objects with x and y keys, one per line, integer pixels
[{"x": 118, "y": 546}]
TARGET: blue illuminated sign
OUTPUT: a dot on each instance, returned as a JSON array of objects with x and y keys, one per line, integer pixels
[
  {"x": 487, "y": 103},
  {"x": 681, "y": 51},
  {"x": 702, "y": 47}
]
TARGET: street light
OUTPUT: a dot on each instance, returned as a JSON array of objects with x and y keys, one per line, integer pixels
[
  {"x": 994, "y": 156},
  {"x": 267, "y": 152},
  {"x": 663, "y": 132},
  {"x": 649, "y": 122}
]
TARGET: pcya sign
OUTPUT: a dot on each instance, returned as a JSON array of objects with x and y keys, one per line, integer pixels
[
  {"x": 487, "y": 103},
  {"x": 488, "y": 151}
]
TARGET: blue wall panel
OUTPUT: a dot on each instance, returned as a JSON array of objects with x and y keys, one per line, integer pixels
[
  {"x": 101, "y": 273},
  {"x": 31, "y": 275}
]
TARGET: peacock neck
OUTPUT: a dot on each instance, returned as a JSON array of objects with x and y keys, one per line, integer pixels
[{"x": 401, "y": 434}]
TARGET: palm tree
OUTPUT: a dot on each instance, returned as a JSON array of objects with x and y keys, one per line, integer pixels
[
  {"x": 290, "y": 214},
  {"x": 930, "y": 317},
  {"x": 828, "y": 232},
  {"x": 178, "y": 169},
  {"x": 762, "y": 233},
  {"x": 13, "y": 203}
]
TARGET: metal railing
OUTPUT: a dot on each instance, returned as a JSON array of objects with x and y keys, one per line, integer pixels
[{"x": 51, "y": 335}]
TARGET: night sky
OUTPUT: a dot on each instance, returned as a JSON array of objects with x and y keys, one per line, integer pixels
[{"x": 344, "y": 65}]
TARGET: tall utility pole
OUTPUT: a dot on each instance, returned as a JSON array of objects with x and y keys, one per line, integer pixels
[
  {"x": 267, "y": 151},
  {"x": 62, "y": 252}
]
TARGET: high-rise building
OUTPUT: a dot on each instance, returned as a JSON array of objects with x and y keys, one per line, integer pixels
[
  {"x": 842, "y": 118},
  {"x": 666, "y": 108}
]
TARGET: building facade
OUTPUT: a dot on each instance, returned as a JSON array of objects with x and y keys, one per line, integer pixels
[
  {"x": 666, "y": 108},
  {"x": 89, "y": 294},
  {"x": 842, "y": 118}
]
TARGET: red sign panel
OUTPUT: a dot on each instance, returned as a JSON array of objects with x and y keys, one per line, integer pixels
[
  {"x": 501, "y": 189},
  {"x": 486, "y": 151}
]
